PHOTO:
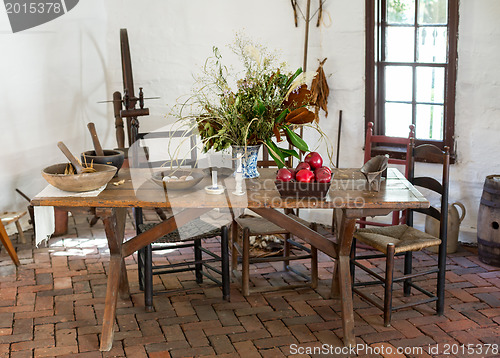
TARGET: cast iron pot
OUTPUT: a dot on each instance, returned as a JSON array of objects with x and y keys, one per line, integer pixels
[{"x": 111, "y": 157}]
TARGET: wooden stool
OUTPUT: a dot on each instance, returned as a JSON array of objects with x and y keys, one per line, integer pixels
[{"x": 8, "y": 218}]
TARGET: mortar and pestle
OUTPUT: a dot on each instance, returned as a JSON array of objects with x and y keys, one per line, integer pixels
[
  {"x": 85, "y": 178},
  {"x": 100, "y": 156}
]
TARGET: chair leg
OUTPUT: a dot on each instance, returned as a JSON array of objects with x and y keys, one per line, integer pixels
[
  {"x": 314, "y": 267},
  {"x": 148, "y": 278},
  {"x": 225, "y": 263},
  {"x": 286, "y": 251},
  {"x": 245, "y": 264},
  {"x": 198, "y": 256},
  {"x": 441, "y": 278},
  {"x": 4, "y": 238},
  {"x": 395, "y": 218},
  {"x": 161, "y": 214},
  {"x": 95, "y": 218},
  {"x": 353, "y": 258},
  {"x": 407, "y": 271},
  {"x": 234, "y": 252},
  {"x": 314, "y": 261},
  {"x": 20, "y": 232},
  {"x": 389, "y": 274},
  {"x": 140, "y": 267}
]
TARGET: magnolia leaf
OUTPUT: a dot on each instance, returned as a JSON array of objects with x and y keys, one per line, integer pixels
[
  {"x": 290, "y": 152},
  {"x": 282, "y": 116},
  {"x": 276, "y": 132},
  {"x": 275, "y": 153},
  {"x": 300, "y": 116},
  {"x": 295, "y": 140},
  {"x": 303, "y": 79},
  {"x": 298, "y": 98}
]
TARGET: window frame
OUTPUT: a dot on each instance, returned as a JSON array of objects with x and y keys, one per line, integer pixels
[{"x": 375, "y": 86}]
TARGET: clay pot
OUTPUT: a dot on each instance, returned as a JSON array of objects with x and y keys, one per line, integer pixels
[
  {"x": 111, "y": 157},
  {"x": 454, "y": 221}
]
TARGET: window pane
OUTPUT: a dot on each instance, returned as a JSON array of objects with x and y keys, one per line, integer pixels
[
  {"x": 432, "y": 12},
  {"x": 398, "y": 83},
  {"x": 401, "y": 11},
  {"x": 399, "y": 44},
  {"x": 429, "y": 123},
  {"x": 397, "y": 119},
  {"x": 430, "y": 84},
  {"x": 432, "y": 44}
]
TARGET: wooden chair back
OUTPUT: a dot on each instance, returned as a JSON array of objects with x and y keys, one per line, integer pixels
[
  {"x": 429, "y": 151},
  {"x": 381, "y": 142}
]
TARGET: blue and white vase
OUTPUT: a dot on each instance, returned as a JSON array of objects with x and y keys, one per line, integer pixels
[{"x": 249, "y": 155}]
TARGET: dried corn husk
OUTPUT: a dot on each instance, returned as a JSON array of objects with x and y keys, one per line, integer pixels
[{"x": 320, "y": 91}]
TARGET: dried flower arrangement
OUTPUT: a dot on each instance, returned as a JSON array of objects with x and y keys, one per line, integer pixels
[{"x": 267, "y": 102}]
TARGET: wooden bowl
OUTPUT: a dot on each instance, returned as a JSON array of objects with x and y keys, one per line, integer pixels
[
  {"x": 78, "y": 182},
  {"x": 157, "y": 178}
]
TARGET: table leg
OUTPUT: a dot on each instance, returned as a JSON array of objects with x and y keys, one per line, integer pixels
[
  {"x": 108, "y": 323},
  {"x": 114, "y": 224},
  {"x": 343, "y": 272}
]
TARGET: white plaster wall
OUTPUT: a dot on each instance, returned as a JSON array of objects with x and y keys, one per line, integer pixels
[
  {"x": 53, "y": 75},
  {"x": 51, "y": 78}
]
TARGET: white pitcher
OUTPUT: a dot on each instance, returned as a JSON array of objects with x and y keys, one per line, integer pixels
[{"x": 454, "y": 220}]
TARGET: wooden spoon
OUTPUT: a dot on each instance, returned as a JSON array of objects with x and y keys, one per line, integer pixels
[
  {"x": 95, "y": 140},
  {"x": 73, "y": 160}
]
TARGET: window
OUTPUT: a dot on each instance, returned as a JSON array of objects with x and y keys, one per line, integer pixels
[{"x": 411, "y": 54}]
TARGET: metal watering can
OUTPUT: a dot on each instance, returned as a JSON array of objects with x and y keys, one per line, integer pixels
[{"x": 454, "y": 220}]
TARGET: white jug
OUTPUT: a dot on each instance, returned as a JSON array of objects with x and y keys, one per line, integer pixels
[{"x": 454, "y": 220}]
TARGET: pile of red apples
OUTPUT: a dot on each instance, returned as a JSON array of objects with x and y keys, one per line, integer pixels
[{"x": 309, "y": 171}]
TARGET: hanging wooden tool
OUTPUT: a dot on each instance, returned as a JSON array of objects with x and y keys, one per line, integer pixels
[
  {"x": 307, "y": 18},
  {"x": 337, "y": 159}
]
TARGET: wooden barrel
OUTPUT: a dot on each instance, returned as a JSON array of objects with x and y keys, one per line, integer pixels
[{"x": 488, "y": 222}]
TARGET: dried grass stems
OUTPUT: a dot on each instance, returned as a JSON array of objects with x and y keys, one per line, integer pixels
[{"x": 87, "y": 168}]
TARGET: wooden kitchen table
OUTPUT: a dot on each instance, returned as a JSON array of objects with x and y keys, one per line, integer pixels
[{"x": 348, "y": 195}]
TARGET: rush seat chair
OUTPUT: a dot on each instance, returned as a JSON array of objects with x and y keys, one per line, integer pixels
[{"x": 397, "y": 240}]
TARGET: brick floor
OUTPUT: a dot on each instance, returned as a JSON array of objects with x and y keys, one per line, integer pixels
[{"x": 52, "y": 305}]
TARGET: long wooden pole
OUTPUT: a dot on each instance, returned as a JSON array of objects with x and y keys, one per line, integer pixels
[
  {"x": 337, "y": 159},
  {"x": 306, "y": 41}
]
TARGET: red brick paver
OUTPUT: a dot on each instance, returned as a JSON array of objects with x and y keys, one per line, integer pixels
[{"x": 52, "y": 305}]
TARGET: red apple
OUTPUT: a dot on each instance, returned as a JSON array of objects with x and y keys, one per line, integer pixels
[
  {"x": 284, "y": 175},
  {"x": 326, "y": 168},
  {"x": 302, "y": 165},
  {"x": 293, "y": 172},
  {"x": 323, "y": 175},
  {"x": 304, "y": 176},
  {"x": 314, "y": 160}
]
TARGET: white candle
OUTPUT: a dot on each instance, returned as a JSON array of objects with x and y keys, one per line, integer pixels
[
  {"x": 214, "y": 179},
  {"x": 239, "y": 165}
]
